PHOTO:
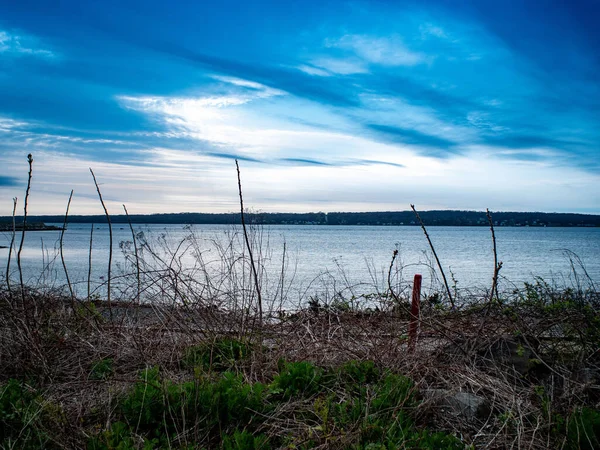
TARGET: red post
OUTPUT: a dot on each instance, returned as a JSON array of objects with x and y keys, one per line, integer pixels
[{"x": 413, "y": 326}]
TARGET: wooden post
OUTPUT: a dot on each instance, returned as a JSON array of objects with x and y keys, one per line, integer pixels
[{"x": 413, "y": 326}]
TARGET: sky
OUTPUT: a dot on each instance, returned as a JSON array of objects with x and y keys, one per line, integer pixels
[{"x": 327, "y": 105}]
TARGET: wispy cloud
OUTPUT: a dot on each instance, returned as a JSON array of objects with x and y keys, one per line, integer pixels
[
  {"x": 7, "y": 124},
  {"x": 306, "y": 161},
  {"x": 429, "y": 29},
  {"x": 313, "y": 70},
  {"x": 233, "y": 156},
  {"x": 20, "y": 45},
  {"x": 426, "y": 143},
  {"x": 331, "y": 110},
  {"x": 386, "y": 51},
  {"x": 383, "y": 163},
  {"x": 339, "y": 66}
]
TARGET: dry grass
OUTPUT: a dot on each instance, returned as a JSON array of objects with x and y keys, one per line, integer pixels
[{"x": 532, "y": 361}]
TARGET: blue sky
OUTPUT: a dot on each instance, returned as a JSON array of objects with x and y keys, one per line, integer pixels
[{"x": 327, "y": 105}]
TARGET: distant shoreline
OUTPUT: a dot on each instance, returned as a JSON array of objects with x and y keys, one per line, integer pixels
[
  {"x": 382, "y": 218},
  {"x": 7, "y": 227}
]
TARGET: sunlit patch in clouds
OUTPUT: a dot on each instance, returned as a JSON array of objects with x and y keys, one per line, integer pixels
[
  {"x": 250, "y": 125},
  {"x": 326, "y": 106}
]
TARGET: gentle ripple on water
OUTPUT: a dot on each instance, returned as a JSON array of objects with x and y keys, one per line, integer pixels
[{"x": 350, "y": 254}]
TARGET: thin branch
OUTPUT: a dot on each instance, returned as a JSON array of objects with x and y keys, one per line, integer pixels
[
  {"x": 389, "y": 278},
  {"x": 137, "y": 259},
  {"x": 435, "y": 255},
  {"x": 30, "y": 161},
  {"x": 12, "y": 244},
  {"x": 62, "y": 256},
  {"x": 110, "y": 239},
  {"x": 89, "y": 277},
  {"x": 248, "y": 246},
  {"x": 497, "y": 265}
]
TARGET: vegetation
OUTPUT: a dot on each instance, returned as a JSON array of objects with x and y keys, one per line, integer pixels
[
  {"x": 440, "y": 218},
  {"x": 212, "y": 356},
  {"x": 318, "y": 378}
]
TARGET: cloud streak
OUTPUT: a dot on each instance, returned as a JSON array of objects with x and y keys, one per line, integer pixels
[
  {"x": 344, "y": 108},
  {"x": 12, "y": 44}
]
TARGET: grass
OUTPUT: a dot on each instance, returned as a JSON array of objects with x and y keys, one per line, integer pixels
[
  {"x": 324, "y": 378},
  {"x": 207, "y": 357}
]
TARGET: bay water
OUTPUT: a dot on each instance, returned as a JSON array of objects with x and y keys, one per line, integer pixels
[{"x": 350, "y": 258}]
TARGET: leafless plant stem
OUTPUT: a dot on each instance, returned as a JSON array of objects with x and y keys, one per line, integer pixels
[
  {"x": 389, "y": 278},
  {"x": 282, "y": 277},
  {"x": 12, "y": 244},
  {"x": 249, "y": 247},
  {"x": 110, "y": 241},
  {"x": 137, "y": 259},
  {"x": 497, "y": 265},
  {"x": 30, "y": 161},
  {"x": 435, "y": 255},
  {"x": 89, "y": 277},
  {"x": 62, "y": 256}
]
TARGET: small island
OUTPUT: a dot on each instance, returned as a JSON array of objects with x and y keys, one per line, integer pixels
[{"x": 35, "y": 226}]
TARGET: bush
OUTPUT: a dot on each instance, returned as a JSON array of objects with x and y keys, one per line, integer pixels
[
  {"x": 102, "y": 369},
  {"x": 221, "y": 355},
  {"x": 163, "y": 410},
  {"x": 297, "y": 378},
  {"x": 22, "y": 417},
  {"x": 245, "y": 441}
]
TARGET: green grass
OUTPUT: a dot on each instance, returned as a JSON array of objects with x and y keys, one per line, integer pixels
[{"x": 355, "y": 406}]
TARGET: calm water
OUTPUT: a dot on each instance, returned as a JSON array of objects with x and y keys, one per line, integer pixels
[{"x": 317, "y": 255}]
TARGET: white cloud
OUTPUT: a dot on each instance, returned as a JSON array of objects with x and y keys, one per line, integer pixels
[
  {"x": 316, "y": 71},
  {"x": 387, "y": 51},
  {"x": 429, "y": 29},
  {"x": 482, "y": 120},
  {"x": 259, "y": 90},
  {"x": 7, "y": 124},
  {"x": 397, "y": 112},
  {"x": 341, "y": 66},
  {"x": 13, "y": 44}
]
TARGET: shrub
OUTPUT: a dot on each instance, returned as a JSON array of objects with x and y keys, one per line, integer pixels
[
  {"x": 102, "y": 369},
  {"x": 21, "y": 417},
  {"x": 162, "y": 410},
  {"x": 297, "y": 378},
  {"x": 221, "y": 355},
  {"x": 245, "y": 441}
]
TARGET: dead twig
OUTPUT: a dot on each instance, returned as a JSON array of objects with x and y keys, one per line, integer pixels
[
  {"x": 249, "y": 247},
  {"x": 110, "y": 242},
  {"x": 89, "y": 277},
  {"x": 137, "y": 259},
  {"x": 12, "y": 244},
  {"x": 62, "y": 256},
  {"x": 30, "y": 161},
  {"x": 435, "y": 255}
]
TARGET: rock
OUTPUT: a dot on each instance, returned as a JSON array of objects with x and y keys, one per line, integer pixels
[{"x": 466, "y": 404}]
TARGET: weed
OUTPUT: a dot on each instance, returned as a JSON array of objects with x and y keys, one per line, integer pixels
[
  {"x": 102, "y": 369},
  {"x": 297, "y": 378},
  {"x": 22, "y": 417},
  {"x": 221, "y": 355}
]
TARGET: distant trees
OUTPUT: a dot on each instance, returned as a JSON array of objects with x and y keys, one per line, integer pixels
[{"x": 431, "y": 218}]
